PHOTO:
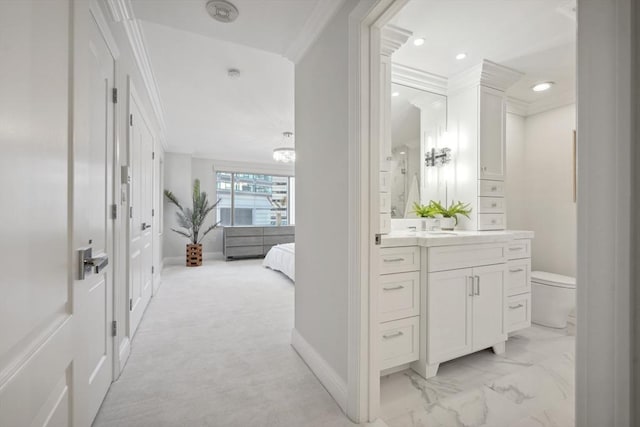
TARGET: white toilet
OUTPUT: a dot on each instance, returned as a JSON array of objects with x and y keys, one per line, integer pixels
[{"x": 553, "y": 298}]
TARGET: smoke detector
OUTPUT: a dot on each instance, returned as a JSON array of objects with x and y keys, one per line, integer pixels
[{"x": 222, "y": 11}]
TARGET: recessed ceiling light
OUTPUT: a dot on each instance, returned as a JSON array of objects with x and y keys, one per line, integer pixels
[
  {"x": 222, "y": 11},
  {"x": 461, "y": 56},
  {"x": 395, "y": 94},
  {"x": 403, "y": 152},
  {"x": 419, "y": 41},
  {"x": 541, "y": 87}
]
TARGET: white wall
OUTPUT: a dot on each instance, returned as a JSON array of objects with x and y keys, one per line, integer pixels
[
  {"x": 180, "y": 171},
  {"x": 322, "y": 193},
  {"x": 540, "y": 186}
]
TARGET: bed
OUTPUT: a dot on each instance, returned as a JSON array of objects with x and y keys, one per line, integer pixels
[{"x": 282, "y": 258}]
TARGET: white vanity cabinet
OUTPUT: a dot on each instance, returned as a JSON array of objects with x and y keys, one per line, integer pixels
[
  {"x": 464, "y": 303},
  {"x": 519, "y": 285},
  {"x": 399, "y": 306}
]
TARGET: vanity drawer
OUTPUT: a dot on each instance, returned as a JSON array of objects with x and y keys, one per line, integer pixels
[
  {"x": 399, "y": 342},
  {"x": 442, "y": 258},
  {"x": 385, "y": 182},
  {"x": 399, "y": 296},
  {"x": 518, "y": 312},
  {"x": 491, "y": 222},
  {"x": 243, "y": 231},
  {"x": 399, "y": 260},
  {"x": 518, "y": 277},
  {"x": 488, "y": 188},
  {"x": 385, "y": 202},
  {"x": 491, "y": 204},
  {"x": 519, "y": 249}
]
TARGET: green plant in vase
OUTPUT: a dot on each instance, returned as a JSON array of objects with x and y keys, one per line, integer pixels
[
  {"x": 424, "y": 211},
  {"x": 454, "y": 209}
]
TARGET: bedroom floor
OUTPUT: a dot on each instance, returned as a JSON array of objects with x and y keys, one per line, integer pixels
[{"x": 214, "y": 349}]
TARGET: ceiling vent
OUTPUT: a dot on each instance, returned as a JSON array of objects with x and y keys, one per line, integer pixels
[{"x": 222, "y": 11}]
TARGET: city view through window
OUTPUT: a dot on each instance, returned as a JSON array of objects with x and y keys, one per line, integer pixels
[{"x": 255, "y": 199}]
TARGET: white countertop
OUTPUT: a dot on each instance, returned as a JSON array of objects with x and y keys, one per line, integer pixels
[{"x": 447, "y": 238}]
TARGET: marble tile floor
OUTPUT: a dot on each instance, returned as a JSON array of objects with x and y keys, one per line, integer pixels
[{"x": 532, "y": 384}]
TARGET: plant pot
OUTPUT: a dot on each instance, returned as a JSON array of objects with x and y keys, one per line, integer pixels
[
  {"x": 447, "y": 223},
  {"x": 194, "y": 255}
]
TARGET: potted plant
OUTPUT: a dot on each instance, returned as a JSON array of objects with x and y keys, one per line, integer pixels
[
  {"x": 192, "y": 220},
  {"x": 426, "y": 212},
  {"x": 450, "y": 215}
]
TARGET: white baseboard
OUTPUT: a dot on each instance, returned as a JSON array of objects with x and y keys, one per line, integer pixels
[
  {"x": 181, "y": 260},
  {"x": 334, "y": 384}
]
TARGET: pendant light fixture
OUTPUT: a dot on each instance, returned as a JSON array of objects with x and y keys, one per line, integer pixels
[{"x": 285, "y": 154}]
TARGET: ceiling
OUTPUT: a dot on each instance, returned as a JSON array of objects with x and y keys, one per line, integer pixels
[
  {"x": 271, "y": 25},
  {"x": 207, "y": 113},
  {"x": 536, "y": 37}
]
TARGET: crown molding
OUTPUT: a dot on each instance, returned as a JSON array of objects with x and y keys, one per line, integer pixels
[
  {"x": 322, "y": 13},
  {"x": 550, "y": 102},
  {"x": 393, "y": 37},
  {"x": 486, "y": 73},
  {"x": 419, "y": 79},
  {"x": 122, "y": 12}
]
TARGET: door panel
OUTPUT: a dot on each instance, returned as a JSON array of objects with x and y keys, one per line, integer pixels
[
  {"x": 96, "y": 227},
  {"x": 141, "y": 222},
  {"x": 492, "y": 130},
  {"x": 489, "y": 306},
  {"x": 448, "y": 314}
]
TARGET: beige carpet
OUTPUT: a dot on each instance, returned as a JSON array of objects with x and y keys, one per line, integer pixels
[{"x": 214, "y": 350}]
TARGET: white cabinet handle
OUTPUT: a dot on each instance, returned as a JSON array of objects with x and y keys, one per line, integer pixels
[
  {"x": 515, "y": 307},
  {"x": 393, "y": 335},
  {"x": 477, "y": 285},
  {"x": 393, "y": 259},
  {"x": 516, "y": 249},
  {"x": 516, "y": 270},
  {"x": 394, "y": 288},
  {"x": 472, "y": 285},
  {"x": 494, "y": 188},
  {"x": 494, "y": 205}
]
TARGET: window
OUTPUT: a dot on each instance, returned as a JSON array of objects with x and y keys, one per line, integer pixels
[{"x": 254, "y": 199}]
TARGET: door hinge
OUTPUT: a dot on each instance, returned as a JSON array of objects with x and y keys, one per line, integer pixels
[
  {"x": 378, "y": 239},
  {"x": 130, "y": 119},
  {"x": 130, "y": 304},
  {"x": 114, "y": 211},
  {"x": 153, "y": 212},
  {"x": 153, "y": 269},
  {"x": 130, "y": 211},
  {"x": 153, "y": 155},
  {"x": 114, "y": 329},
  {"x": 114, "y": 95}
]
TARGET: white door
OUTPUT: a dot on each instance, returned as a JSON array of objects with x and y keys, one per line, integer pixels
[
  {"x": 36, "y": 315},
  {"x": 140, "y": 222},
  {"x": 94, "y": 222},
  {"x": 489, "y": 306},
  {"x": 449, "y": 298}
]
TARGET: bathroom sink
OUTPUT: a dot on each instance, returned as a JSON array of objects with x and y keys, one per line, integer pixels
[{"x": 442, "y": 233}]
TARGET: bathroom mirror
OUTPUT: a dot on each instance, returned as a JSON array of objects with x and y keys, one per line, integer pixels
[{"x": 418, "y": 122}]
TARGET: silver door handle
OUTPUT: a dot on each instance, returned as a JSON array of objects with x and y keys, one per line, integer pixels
[
  {"x": 89, "y": 263},
  {"x": 145, "y": 226},
  {"x": 513, "y": 307},
  {"x": 393, "y": 259},
  {"x": 472, "y": 285},
  {"x": 517, "y": 270},
  {"x": 477, "y": 285},
  {"x": 394, "y": 335},
  {"x": 515, "y": 249},
  {"x": 395, "y": 288}
]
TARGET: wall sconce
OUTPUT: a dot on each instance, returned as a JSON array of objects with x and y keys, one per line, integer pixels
[{"x": 438, "y": 157}]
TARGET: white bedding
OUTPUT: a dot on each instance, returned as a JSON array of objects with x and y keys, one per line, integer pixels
[{"x": 282, "y": 258}]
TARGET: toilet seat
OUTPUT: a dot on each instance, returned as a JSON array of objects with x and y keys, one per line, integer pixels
[{"x": 552, "y": 279}]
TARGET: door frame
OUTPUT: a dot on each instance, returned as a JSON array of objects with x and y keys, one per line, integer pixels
[
  {"x": 606, "y": 324},
  {"x": 110, "y": 41}
]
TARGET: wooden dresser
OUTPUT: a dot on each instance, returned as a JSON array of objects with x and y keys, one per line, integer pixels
[{"x": 246, "y": 242}]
